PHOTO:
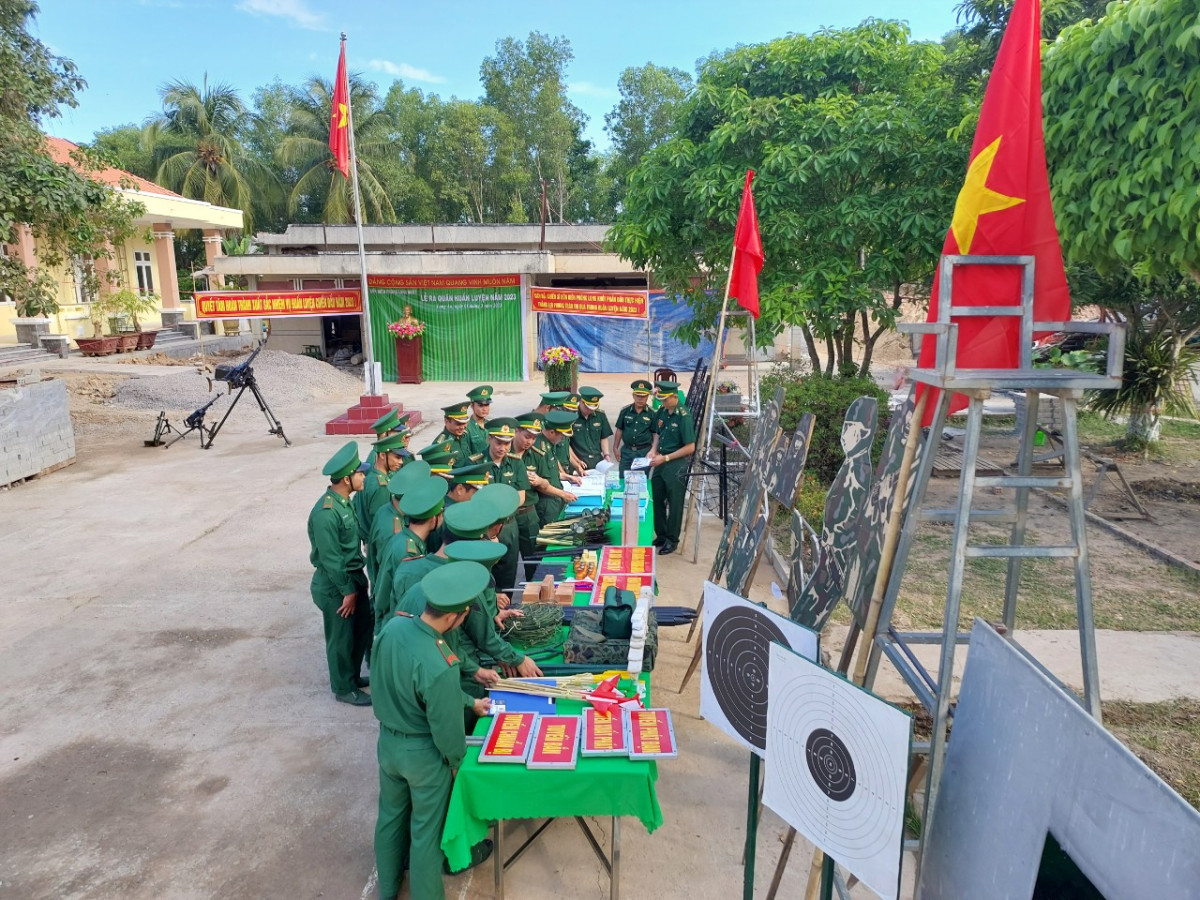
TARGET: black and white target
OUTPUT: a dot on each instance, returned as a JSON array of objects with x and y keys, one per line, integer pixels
[
  {"x": 737, "y": 639},
  {"x": 837, "y": 763}
]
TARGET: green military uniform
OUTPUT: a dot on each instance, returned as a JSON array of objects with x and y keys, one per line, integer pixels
[
  {"x": 480, "y": 637},
  {"x": 383, "y": 426},
  {"x": 458, "y": 445},
  {"x": 476, "y": 436},
  {"x": 510, "y": 471},
  {"x": 374, "y": 496},
  {"x": 636, "y": 428},
  {"x": 337, "y": 558},
  {"x": 408, "y": 551},
  {"x": 674, "y": 430},
  {"x": 590, "y": 430},
  {"x": 421, "y": 736},
  {"x": 389, "y": 522},
  {"x": 550, "y": 508},
  {"x": 527, "y": 516}
]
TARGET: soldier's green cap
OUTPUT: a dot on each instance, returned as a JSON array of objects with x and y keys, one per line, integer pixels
[
  {"x": 532, "y": 421},
  {"x": 342, "y": 463},
  {"x": 504, "y": 428},
  {"x": 425, "y": 498},
  {"x": 503, "y": 498},
  {"x": 641, "y": 386},
  {"x": 393, "y": 443},
  {"x": 590, "y": 394},
  {"x": 481, "y": 394},
  {"x": 410, "y": 473},
  {"x": 440, "y": 456},
  {"x": 555, "y": 398},
  {"x": 667, "y": 387},
  {"x": 471, "y": 519},
  {"x": 456, "y": 411},
  {"x": 485, "y": 552},
  {"x": 386, "y": 422},
  {"x": 561, "y": 420},
  {"x": 571, "y": 403},
  {"x": 476, "y": 473},
  {"x": 454, "y": 586}
]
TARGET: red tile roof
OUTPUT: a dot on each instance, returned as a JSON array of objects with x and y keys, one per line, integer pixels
[{"x": 60, "y": 152}]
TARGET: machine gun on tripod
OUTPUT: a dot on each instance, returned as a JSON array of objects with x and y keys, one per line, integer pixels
[
  {"x": 241, "y": 376},
  {"x": 194, "y": 422}
]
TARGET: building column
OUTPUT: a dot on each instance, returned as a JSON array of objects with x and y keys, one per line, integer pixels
[
  {"x": 164, "y": 258},
  {"x": 213, "y": 250}
]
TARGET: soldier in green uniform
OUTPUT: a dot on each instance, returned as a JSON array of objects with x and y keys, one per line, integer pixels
[
  {"x": 374, "y": 494},
  {"x": 633, "y": 432},
  {"x": 339, "y": 587},
  {"x": 466, "y": 480},
  {"x": 506, "y": 470},
  {"x": 422, "y": 740},
  {"x": 480, "y": 634},
  {"x": 573, "y": 465},
  {"x": 551, "y": 496},
  {"x": 481, "y": 410},
  {"x": 529, "y": 426},
  {"x": 421, "y": 507},
  {"x": 454, "y": 431},
  {"x": 389, "y": 522},
  {"x": 551, "y": 400},
  {"x": 442, "y": 461},
  {"x": 592, "y": 438},
  {"x": 674, "y": 442},
  {"x": 389, "y": 422}
]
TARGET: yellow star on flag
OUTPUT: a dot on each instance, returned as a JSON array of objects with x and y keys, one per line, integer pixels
[
  {"x": 342, "y": 115},
  {"x": 976, "y": 198}
]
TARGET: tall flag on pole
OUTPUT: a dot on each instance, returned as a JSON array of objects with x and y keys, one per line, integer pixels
[
  {"x": 339, "y": 118},
  {"x": 1004, "y": 209},
  {"x": 747, "y": 253}
]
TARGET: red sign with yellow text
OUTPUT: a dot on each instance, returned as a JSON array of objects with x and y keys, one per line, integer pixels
[
  {"x": 269, "y": 304},
  {"x": 576, "y": 302}
]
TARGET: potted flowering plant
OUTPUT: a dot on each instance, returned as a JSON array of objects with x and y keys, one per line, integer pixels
[
  {"x": 407, "y": 334},
  {"x": 561, "y": 367},
  {"x": 729, "y": 396},
  {"x": 407, "y": 330}
]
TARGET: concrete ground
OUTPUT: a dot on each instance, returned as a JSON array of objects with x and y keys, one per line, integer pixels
[{"x": 166, "y": 728}]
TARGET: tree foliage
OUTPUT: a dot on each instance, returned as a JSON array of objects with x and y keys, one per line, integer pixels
[
  {"x": 854, "y": 136},
  {"x": 645, "y": 116}
]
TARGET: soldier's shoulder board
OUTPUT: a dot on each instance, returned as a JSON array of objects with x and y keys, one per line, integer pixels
[
  {"x": 404, "y": 614},
  {"x": 447, "y": 653},
  {"x": 327, "y": 503},
  {"x": 538, "y": 450}
]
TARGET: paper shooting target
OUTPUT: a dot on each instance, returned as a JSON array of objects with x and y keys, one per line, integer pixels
[
  {"x": 837, "y": 763},
  {"x": 737, "y": 639}
]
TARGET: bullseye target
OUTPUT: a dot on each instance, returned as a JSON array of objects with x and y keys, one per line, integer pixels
[
  {"x": 737, "y": 639},
  {"x": 837, "y": 762}
]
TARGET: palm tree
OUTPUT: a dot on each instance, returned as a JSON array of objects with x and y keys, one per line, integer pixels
[
  {"x": 198, "y": 151},
  {"x": 320, "y": 191}
]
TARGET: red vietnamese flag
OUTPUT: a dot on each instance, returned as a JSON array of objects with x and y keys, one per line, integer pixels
[
  {"x": 747, "y": 253},
  {"x": 1004, "y": 209},
  {"x": 339, "y": 118}
]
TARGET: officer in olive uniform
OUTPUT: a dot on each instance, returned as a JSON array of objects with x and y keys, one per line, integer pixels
[
  {"x": 389, "y": 522},
  {"x": 551, "y": 496},
  {"x": 506, "y": 470},
  {"x": 454, "y": 431},
  {"x": 389, "y": 422},
  {"x": 674, "y": 442},
  {"x": 465, "y": 480},
  {"x": 529, "y": 427},
  {"x": 633, "y": 432},
  {"x": 374, "y": 495},
  {"x": 422, "y": 740},
  {"x": 551, "y": 400},
  {"x": 591, "y": 439},
  {"x": 421, "y": 507},
  {"x": 481, "y": 411},
  {"x": 339, "y": 587}
]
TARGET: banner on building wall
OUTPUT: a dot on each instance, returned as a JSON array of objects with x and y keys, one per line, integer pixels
[
  {"x": 269, "y": 304},
  {"x": 579, "y": 302},
  {"x": 473, "y": 324}
]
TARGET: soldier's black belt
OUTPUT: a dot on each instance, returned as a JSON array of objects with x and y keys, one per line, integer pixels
[
  {"x": 404, "y": 734},
  {"x": 525, "y": 509}
]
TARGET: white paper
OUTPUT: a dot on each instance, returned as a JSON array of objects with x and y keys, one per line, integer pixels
[
  {"x": 641, "y": 462},
  {"x": 603, "y": 466},
  {"x": 837, "y": 763},
  {"x": 733, "y": 684}
]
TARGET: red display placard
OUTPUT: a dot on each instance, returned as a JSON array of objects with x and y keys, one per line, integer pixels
[
  {"x": 582, "y": 302},
  {"x": 633, "y": 583},
  {"x": 556, "y": 743},
  {"x": 627, "y": 561},
  {"x": 509, "y": 738},
  {"x": 603, "y": 733},
  {"x": 651, "y": 734},
  {"x": 272, "y": 304}
]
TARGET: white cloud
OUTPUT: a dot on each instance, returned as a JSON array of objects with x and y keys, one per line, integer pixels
[
  {"x": 296, "y": 12},
  {"x": 587, "y": 89},
  {"x": 404, "y": 70}
]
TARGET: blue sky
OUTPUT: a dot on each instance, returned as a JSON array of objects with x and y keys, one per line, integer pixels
[{"x": 126, "y": 49}]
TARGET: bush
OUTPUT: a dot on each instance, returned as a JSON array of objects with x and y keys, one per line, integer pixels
[{"x": 828, "y": 399}]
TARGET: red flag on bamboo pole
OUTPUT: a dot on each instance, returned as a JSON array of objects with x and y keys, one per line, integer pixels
[
  {"x": 339, "y": 118},
  {"x": 1004, "y": 209},
  {"x": 747, "y": 253}
]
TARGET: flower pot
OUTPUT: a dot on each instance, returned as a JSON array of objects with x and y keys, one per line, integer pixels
[
  {"x": 29, "y": 330},
  {"x": 231, "y": 326},
  {"x": 146, "y": 339},
  {"x": 101, "y": 346},
  {"x": 127, "y": 341},
  {"x": 408, "y": 360},
  {"x": 562, "y": 377}
]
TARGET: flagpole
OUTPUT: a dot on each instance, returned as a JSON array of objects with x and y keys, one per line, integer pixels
[{"x": 372, "y": 385}]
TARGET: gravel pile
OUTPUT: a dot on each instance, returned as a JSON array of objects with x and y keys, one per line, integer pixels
[{"x": 285, "y": 379}]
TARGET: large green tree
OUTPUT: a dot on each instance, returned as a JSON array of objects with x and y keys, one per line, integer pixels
[
  {"x": 1123, "y": 147},
  {"x": 646, "y": 114},
  {"x": 198, "y": 146},
  {"x": 855, "y": 138}
]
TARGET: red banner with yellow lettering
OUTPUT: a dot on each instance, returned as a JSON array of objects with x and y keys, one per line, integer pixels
[
  {"x": 578, "y": 302},
  {"x": 269, "y": 304}
]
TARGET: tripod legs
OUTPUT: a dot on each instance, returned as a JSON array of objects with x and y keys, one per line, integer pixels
[{"x": 276, "y": 425}]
